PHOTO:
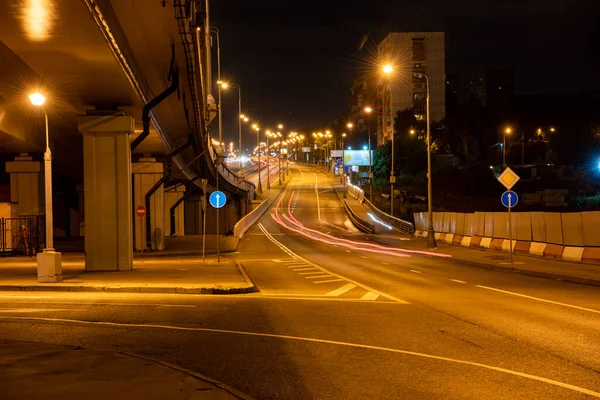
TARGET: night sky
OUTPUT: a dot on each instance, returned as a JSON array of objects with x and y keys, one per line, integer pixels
[{"x": 295, "y": 60}]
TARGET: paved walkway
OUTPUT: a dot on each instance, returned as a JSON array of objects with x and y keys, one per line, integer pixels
[
  {"x": 45, "y": 371},
  {"x": 188, "y": 275},
  {"x": 526, "y": 264}
]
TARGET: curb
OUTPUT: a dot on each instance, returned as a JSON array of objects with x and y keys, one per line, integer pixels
[
  {"x": 197, "y": 375},
  {"x": 247, "y": 278},
  {"x": 524, "y": 271},
  {"x": 160, "y": 253},
  {"x": 130, "y": 289}
]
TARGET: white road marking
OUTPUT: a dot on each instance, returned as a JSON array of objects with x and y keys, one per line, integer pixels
[
  {"x": 363, "y": 257},
  {"x": 310, "y": 273},
  {"x": 457, "y": 281},
  {"x": 318, "y": 276},
  {"x": 330, "y": 280},
  {"x": 348, "y": 251},
  {"x": 340, "y": 291},
  {"x": 416, "y": 272},
  {"x": 538, "y": 299},
  {"x": 315, "y": 340},
  {"x": 303, "y": 269},
  {"x": 25, "y": 297},
  {"x": 291, "y": 253},
  {"x": 370, "y": 296},
  {"x": 297, "y": 296},
  {"x": 34, "y": 310},
  {"x": 385, "y": 263}
]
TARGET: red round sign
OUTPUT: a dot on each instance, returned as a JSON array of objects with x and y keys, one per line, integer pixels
[{"x": 140, "y": 211}]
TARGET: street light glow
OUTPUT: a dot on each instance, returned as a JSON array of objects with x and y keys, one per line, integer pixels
[
  {"x": 350, "y": 125},
  {"x": 368, "y": 109},
  {"x": 280, "y": 126},
  {"x": 508, "y": 131},
  {"x": 37, "y": 99},
  {"x": 387, "y": 69}
]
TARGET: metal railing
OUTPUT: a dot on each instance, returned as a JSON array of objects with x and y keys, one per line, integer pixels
[
  {"x": 22, "y": 235},
  {"x": 397, "y": 223}
]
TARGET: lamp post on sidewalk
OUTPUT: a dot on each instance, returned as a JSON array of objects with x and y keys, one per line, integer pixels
[
  {"x": 368, "y": 110},
  {"x": 257, "y": 129},
  {"x": 49, "y": 262},
  {"x": 430, "y": 234}
]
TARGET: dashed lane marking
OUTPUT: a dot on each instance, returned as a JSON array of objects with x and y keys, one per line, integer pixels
[
  {"x": 330, "y": 280},
  {"x": 457, "y": 281},
  {"x": 416, "y": 272},
  {"x": 385, "y": 263},
  {"x": 303, "y": 269},
  {"x": 340, "y": 291},
  {"x": 370, "y": 296}
]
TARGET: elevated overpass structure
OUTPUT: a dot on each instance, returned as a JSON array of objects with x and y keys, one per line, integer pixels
[{"x": 129, "y": 122}]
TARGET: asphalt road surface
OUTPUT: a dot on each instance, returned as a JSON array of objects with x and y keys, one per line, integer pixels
[{"x": 340, "y": 315}]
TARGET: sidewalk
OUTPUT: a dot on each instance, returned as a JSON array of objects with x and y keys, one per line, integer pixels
[
  {"x": 588, "y": 274},
  {"x": 46, "y": 371},
  {"x": 184, "y": 275}
]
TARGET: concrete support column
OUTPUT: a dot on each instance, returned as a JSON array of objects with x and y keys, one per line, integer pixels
[
  {"x": 146, "y": 174},
  {"x": 26, "y": 185},
  {"x": 171, "y": 196},
  {"x": 107, "y": 191}
]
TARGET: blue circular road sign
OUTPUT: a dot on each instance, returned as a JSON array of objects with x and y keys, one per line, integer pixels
[
  {"x": 217, "y": 199},
  {"x": 509, "y": 199}
]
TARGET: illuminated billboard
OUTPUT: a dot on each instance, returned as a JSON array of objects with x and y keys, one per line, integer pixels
[{"x": 357, "y": 157}]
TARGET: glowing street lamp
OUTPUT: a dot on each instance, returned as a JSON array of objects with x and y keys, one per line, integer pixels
[
  {"x": 49, "y": 264},
  {"x": 507, "y": 131},
  {"x": 387, "y": 69}
]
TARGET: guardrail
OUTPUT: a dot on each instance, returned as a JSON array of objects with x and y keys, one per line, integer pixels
[
  {"x": 396, "y": 223},
  {"x": 363, "y": 226}
]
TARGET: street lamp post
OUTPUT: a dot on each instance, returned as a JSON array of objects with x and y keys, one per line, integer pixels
[
  {"x": 219, "y": 83},
  {"x": 49, "y": 263},
  {"x": 430, "y": 234},
  {"x": 368, "y": 110},
  {"x": 268, "y": 163},
  {"x": 257, "y": 129},
  {"x": 279, "y": 166},
  {"x": 507, "y": 131},
  {"x": 387, "y": 70}
]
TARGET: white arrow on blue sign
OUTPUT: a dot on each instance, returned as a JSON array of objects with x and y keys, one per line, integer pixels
[
  {"x": 509, "y": 199},
  {"x": 217, "y": 199}
]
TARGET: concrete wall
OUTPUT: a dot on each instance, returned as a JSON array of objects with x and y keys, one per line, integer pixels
[{"x": 569, "y": 229}]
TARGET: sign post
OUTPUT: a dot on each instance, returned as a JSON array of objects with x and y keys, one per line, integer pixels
[
  {"x": 509, "y": 200},
  {"x": 140, "y": 212},
  {"x": 508, "y": 178},
  {"x": 217, "y": 200}
]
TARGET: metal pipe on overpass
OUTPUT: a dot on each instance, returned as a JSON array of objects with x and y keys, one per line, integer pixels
[{"x": 150, "y": 105}]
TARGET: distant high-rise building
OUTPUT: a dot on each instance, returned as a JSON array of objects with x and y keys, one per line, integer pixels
[
  {"x": 362, "y": 94},
  {"x": 492, "y": 88},
  {"x": 411, "y": 54}
]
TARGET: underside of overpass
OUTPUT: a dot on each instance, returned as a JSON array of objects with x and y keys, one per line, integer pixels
[{"x": 99, "y": 63}]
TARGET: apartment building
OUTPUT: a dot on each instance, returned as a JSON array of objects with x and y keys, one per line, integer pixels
[{"x": 412, "y": 55}]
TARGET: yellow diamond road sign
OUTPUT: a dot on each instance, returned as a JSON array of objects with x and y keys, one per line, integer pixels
[{"x": 508, "y": 178}]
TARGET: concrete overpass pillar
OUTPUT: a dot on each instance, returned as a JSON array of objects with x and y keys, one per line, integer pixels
[
  {"x": 26, "y": 185},
  {"x": 146, "y": 173},
  {"x": 171, "y": 196},
  {"x": 107, "y": 191}
]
